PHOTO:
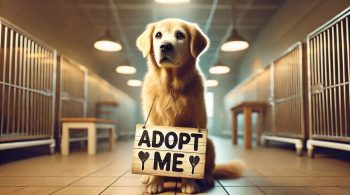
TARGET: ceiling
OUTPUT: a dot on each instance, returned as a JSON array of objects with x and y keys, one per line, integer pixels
[{"x": 74, "y": 25}]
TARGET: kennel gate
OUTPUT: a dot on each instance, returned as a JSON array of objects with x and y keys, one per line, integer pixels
[
  {"x": 73, "y": 90},
  {"x": 287, "y": 96},
  {"x": 27, "y": 89},
  {"x": 72, "y": 94},
  {"x": 329, "y": 93}
]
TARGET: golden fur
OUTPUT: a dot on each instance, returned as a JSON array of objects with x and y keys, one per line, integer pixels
[{"x": 179, "y": 91}]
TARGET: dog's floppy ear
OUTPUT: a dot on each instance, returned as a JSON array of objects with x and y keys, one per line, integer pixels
[
  {"x": 199, "y": 41},
  {"x": 144, "y": 41}
]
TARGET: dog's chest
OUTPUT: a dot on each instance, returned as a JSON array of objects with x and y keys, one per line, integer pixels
[{"x": 172, "y": 105}]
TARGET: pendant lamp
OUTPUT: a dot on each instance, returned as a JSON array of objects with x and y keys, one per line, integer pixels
[
  {"x": 235, "y": 42},
  {"x": 107, "y": 43},
  {"x": 219, "y": 68}
]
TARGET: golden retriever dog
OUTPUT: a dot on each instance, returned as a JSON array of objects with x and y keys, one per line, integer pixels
[{"x": 175, "y": 80}]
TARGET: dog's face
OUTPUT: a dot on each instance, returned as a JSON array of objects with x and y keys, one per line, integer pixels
[{"x": 172, "y": 42}]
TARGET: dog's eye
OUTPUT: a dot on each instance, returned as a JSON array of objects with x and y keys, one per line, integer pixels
[
  {"x": 179, "y": 35},
  {"x": 158, "y": 35}
]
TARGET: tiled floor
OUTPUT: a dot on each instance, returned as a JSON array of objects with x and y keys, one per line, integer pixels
[{"x": 271, "y": 171}]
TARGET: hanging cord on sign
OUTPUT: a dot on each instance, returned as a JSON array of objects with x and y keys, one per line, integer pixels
[{"x": 150, "y": 110}]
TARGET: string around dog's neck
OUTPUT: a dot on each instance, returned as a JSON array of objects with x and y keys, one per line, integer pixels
[
  {"x": 149, "y": 112},
  {"x": 172, "y": 93}
]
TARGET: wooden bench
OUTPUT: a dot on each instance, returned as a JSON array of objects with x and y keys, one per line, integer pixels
[
  {"x": 89, "y": 124},
  {"x": 247, "y": 108}
]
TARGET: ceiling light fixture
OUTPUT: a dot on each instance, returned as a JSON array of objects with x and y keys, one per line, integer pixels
[
  {"x": 171, "y": 1},
  {"x": 211, "y": 83},
  {"x": 235, "y": 42},
  {"x": 107, "y": 43},
  {"x": 219, "y": 68},
  {"x": 125, "y": 68},
  {"x": 134, "y": 83}
]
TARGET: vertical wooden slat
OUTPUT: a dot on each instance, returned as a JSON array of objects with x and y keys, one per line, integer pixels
[
  {"x": 339, "y": 112},
  {"x": 343, "y": 68},
  {"x": 295, "y": 83},
  {"x": 24, "y": 94},
  {"x": 52, "y": 58},
  {"x": 40, "y": 87},
  {"x": 289, "y": 66},
  {"x": 43, "y": 89},
  {"x": 15, "y": 118},
  {"x": 321, "y": 94},
  {"x": 44, "y": 80},
  {"x": 325, "y": 83},
  {"x": 329, "y": 89},
  {"x": 3, "y": 86},
  {"x": 347, "y": 134},
  {"x": 9, "y": 98},
  {"x": 46, "y": 89},
  {"x": 40, "y": 117},
  {"x": 316, "y": 111},
  {"x": 31, "y": 86},
  {"x": 300, "y": 79},
  {"x": 312, "y": 70},
  {"x": 332, "y": 90},
  {"x": 35, "y": 65},
  {"x": 20, "y": 91},
  {"x": 320, "y": 83}
]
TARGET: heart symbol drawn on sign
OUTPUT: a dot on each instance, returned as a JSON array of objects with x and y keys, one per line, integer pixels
[
  {"x": 194, "y": 160},
  {"x": 143, "y": 156}
]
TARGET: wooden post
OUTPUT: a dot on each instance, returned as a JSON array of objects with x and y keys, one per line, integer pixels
[
  {"x": 260, "y": 125},
  {"x": 92, "y": 139},
  {"x": 234, "y": 127},
  {"x": 65, "y": 140},
  {"x": 111, "y": 138},
  {"x": 248, "y": 127}
]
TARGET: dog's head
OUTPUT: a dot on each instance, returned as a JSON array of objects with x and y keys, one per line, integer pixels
[{"x": 172, "y": 42}]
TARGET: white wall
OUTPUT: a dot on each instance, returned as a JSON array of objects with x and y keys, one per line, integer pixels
[{"x": 292, "y": 22}]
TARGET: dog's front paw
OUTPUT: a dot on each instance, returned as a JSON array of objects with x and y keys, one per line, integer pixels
[
  {"x": 155, "y": 185},
  {"x": 189, "y": 186}
]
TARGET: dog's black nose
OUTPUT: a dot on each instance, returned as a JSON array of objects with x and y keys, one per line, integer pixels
[{"x": 166, "y": 47}]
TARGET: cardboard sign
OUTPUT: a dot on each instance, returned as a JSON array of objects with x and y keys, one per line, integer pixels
[{"x": 169, "y": 151}]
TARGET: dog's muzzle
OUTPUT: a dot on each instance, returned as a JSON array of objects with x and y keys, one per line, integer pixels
[{"x": 166, "y": 47}]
